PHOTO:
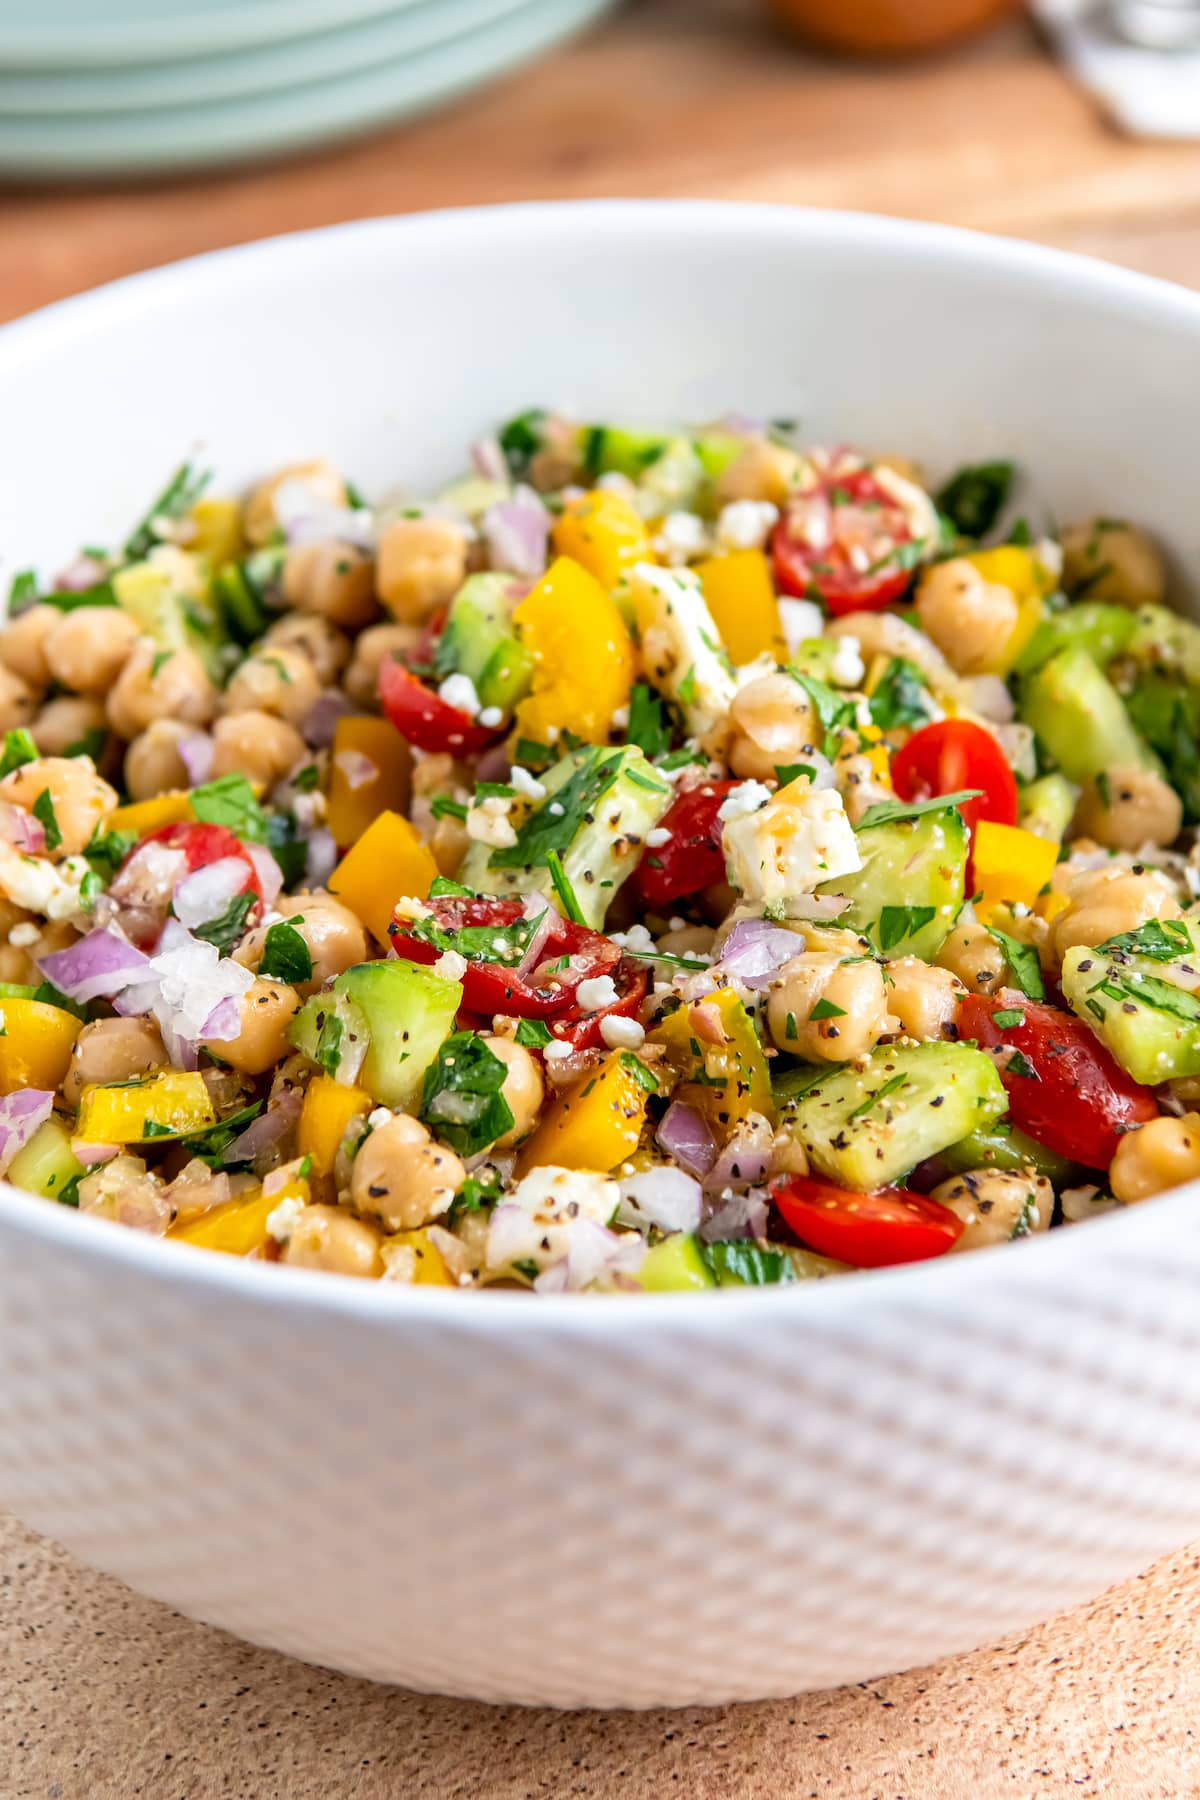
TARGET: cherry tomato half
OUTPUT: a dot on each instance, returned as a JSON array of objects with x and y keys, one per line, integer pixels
[
  {"x": 868, "y": 1231},
  {"x": 952, "y": 755},
  {"x": 842, "y": 537},
  {"x": 201, "y": 845},
  {"x": 139, "y": 889},
  {"x": 1078, "y": 1100},
  {"x": 425, "y": 719},
  {"x": 693, "y": 858}
]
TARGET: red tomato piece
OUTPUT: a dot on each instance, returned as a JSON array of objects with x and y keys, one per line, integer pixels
[
  {"x": 426, "y": 720},
  {"x": 140, "y": 891},
  {"x": 869, "y": 1231},
  {"x": 693, "y": 859},
  {"x": 1078, "y": 1100},
  {"x": 952, "y": 755},
  {"x": 844, "y": 538},
  {"x": 201, "y": 845},
  {"x": 631, "y": 979}
]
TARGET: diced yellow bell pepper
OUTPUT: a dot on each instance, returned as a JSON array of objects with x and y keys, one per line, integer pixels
[
  {"x": 741, "y": 598},
  {"x": 1050, "y": 905},
  {"x": 239, "y": 1228},
  {"x": 604, "y": 533},
  {"x": 143, "y": 816},
  {"x": 722, "y": 1081},
  {"x": 217, "y": 531},
  {"x": 1016, "y": 567},
  {"x": 389, "y": 860},
  {"x": 1010, "y": 865},
  {"x": 430, "y": 1269},
  {"x": 584, "y": 668},
  {"x": 165, "y": 1105},
  {"x": 35, "y": 1044},
  {"x": 596, "y": 1123},
  {"x": 327, "y": 1111},
  {"x": 370, "y": 772}
]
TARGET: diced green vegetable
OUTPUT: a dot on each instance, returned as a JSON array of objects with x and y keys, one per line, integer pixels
[
  {"x": 1165, "y": 640},
  {"x": 674, "y": 1265},
  {"x": 47, "y": 1165},
  {"x": 1143, "y": 1003},
  {"x": 1046, "y": 807},
  {"x": 479, "y": 641},
  {"x": 1099, "y": 628},
  {"x": 909, "y": 891},
  {"x": 1167, "y": 713},
  {"x": 1080, "y": 718},
  {"x": 1002, "y": 1146},
  {"x": 404, "y": 1011}
]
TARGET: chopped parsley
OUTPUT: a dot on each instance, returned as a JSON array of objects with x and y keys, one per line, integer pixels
[
  {"x": 21, "y": 590},
  {"x": 286, "y": 956},
  {"x": 1008, "y": 1018},
  {"x": 227, "y": 928},
  {"x": 895, "y": 812},
  {"x": 562, "y": 887},
  {"x": 478, "y": 1193},
  {"x": 686, "y": 691},
  {"x": 831, "y": 709},
  {"x": 647, "y": 722},
  {"x": 1159, "y": 940},
  {"x": 899, "y": 697},
  {"x": 595, "y": 771},
  {"x": 178, "y": 497},
  {"x": 100, "y": 595},
  {"x": 521, "y": 439},
  {"x": 533, "y": 1034},
  {"x": 789, "y": 772},
  {"x": 211, "y": 1144},
  {"x": 307, "y": 780},
  {"x": 633, "y": 1065},
  {"x": 1159, "y": 995},
  {"x": 445, "y": 806},
  {"x": 461, "y": 1099},
  {"x": 43, "y": 811},
  {"x": 824, "y": 1009},
  {"x": 899, "y": 922},
  {"x": 1017, "y": 1063},
  {"x": 49, "y": 995},
  {"x": 230, "y": 801},
  {"x": 1022, "y": 959},
  {"x": 108, "y": 850},
  {"x": 441, "y": 887},
  {"x": 974, "y": 498},
  {"x": 888, "y": 1087},
  {"x": 19, "y": 749},
  {"x": 742, "y": 1261}
]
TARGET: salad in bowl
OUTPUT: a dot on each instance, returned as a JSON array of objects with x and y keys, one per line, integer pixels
[{"x": 660, "y": 860}]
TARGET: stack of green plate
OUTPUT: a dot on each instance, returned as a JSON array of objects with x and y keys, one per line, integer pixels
[{"x": 101, "y": 87}]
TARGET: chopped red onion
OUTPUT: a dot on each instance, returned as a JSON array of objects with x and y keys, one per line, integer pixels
[
  {"x": 306, "y": 518},
  {"x": 85, "y": 572},
  {"x": 186, "y": 985},
  {"x": 224, "y": 1022},
  {"x": 487, "y": 459},
  {"x": 99, "y": 966},
  {"x": 593, "y": 1253},
  {"x": 685, "y": 1136},
  {"x": 196, "y": 751},
  {"x": 661, "y": 1196},
  {"x": 537, "y": 907},
  {"x": 205, "y": 893},
  {"x": 21, "y": 830},
  {"x": 20, "y": 1116},
  {"x": 516, "y": 532},
  {"x": 742, "y": 1215},
  {"x": 320, "y": 721},
  {"x": 262, "y": 1134},
  {"x": 92, "y": 1155},
  {"x": 820, "y": 908},
  {"x": 745, "y": 1159},
  {"x": 755, "y": 951},
  {"x": 321, "y": 857},
  {"x": 270, "y": 875},
  {"x": 358, "y": 769}
]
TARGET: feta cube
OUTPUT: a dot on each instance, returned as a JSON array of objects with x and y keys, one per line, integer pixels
[{"x": 790, "y": 846}]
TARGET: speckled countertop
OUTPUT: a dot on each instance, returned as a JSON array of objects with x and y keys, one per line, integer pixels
[{"x": 104, "y": 1696}]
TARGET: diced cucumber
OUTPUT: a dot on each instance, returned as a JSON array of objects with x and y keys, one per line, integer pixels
[
  {"x": 909, "y": 891},
  {"x": 675, "y": 1265},
  {"x": 1166, "y": 640},
  {"x": 1046, "y": 807},
  {"x": 405, "y": 1011},
  {"x": 1167, "y": 713},
  {"x": 1002, "y": 1146},
  {"x": 815, "y": 657},
  {"x": 1080, "y": 718},
  {"x": 1145, "y": 1009},
  {"x": 620, "y": 450},
  {"x": 473, "y": 495},
  {"x": 607, "y": 800},
  {"x": 12, "y": 990},
  {"x": 479, "y": 641},
  {"x": 47, "y": 1165},
  {"x": 174, "y": 620},
  {"x": 866, "y": 1128},
  {"x": 1103, "y": 630}
]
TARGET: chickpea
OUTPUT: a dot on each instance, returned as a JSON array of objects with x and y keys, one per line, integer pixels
[
  {"x": 160, "y": 684},
  {"x": 885, "y": 634},
  {"x": 259, "y": 519},
  {"x": 859, "y": 784},
  {"x": 17, "y": 701},
  {"x": 19, "y": 962},
  {"x": 762, "y": 471},
  {"x": 774, "y": 722},
  {"x": 1110, "y": 560},
  {"x": 421, "y": 565},
  {"x": 333, "y": 581},
  {"x": 1128, "y": 807},
  {"x": 924, "y": 999},
  {"x": 972, "y": 953},
  {"x": 971, "y": 620},
  {"x": 1106, "y": 902},
  {"x": 856, "y": 989},
  {"x": 79, "y": 797},
  {"x": 67, "y": 722},
  {"x": 327, "y": 648},
  {"x": 257, "y": 745},
  {"x": 371, "y": 651},
  {"x": 402, "y": 1177},
  {"x": 327, "y": 1237},
  {"x": 86, "y": 650},
  {"x": 333, "y": 935},
  {"x": 523, "y": 1088},
  {"x": 113, "y": 1050},
  {"x": 281, "y": 682},
  {"x": 996, "y": 1205},
  {"x": 266, "y": 1011},
  {"x": 153, "y": 764},
  {"x": 23, "y": 644},
  {"x": 1162, "y": 1154},
  {"x": 449, "y": 840}
]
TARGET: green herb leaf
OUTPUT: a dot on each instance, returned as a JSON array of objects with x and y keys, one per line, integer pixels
[
  {"x": 787, "y": 772},
  {"x": 288, "y": 845},
  {"x": 563, "y": 889},
  {"x": 478, "y": 1193},
  {"x": 1022, "y": 959},
  {"x": 228, "y": 927},
  {"x": 1008, "y": 1018},
  {"x": 286, "y": 956},
  {"x": 888, "y": 1087},
  {"x": 741, "y": 1260},
  {"x": 211, "y": 1143},
  {"x": 230, "y": 801},
  {"x": 19, "y": 749},
  {"x": 898, "y": 922},
  {"x": 824, "y": 1009},
  {"x": 103, "y": 594},
  {"x": 1020, "y": 534},
  {"x": 633, "y": 1065},
  {"x": 975, "y": 497},
  {"x": 21, "y": 590},
  {"x": 533, "y": 754},
  {"x": 533, "y": 1034},
  {"x": 461, "y": 1100},
  {"x": 43, "y": 811},
  {"x": 178, "y": 497},
  {"x": 445, "y": 806},
  {"x": 521, "y": 439},
  {"x": 1017, "y": 1063},
  {"x": 595, "y": 772},
  {"x": 107, "y": 850},
  {"x": 686, "y": 691},
  {"x": 1162, "y": 996},
  {"x": 1159, "y": 940},
  {"x": 900, "y": 697},
  {"x": 894, "y": 812},
  {"x": 647, "y": 722},
  {"x": 49, "y": 995}
]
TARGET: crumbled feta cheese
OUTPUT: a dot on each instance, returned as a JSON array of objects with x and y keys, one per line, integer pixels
[
  {"x": 622, "y": 1034},
  {"x": 658, "y": 837},
  {"x": 677, "y": 922},
  {"x": 535, "y": 1222},
  {"x": 527, "y": 784},
  {"x": 39, "y": 886},
  {"x": 409, "y": 908},
  {"x": 802, "y": 620},
  {"x": 747, "y": 797},
  {"x": 450, "y": 966},
  {"x": 596, "y": 992},
  {"x": 283, "y": 1221},
  {"x": 790, "y": 846},
  {"x": 459, "y": 691},
  {"x": 681, "y": 646},
  {"x": 24, "y": 934},
  {"x": 682, "y": 537},
  {"x": 488, "y": 822},
  {"x": 847, "y": 667},
  {"x": 557, "y": 1051},
  {"x": 556, "y": 809},
  {"x": 620, "y": 718},
  {"x": 491, "y": 716},
  {"x": 637, "y": 939},
  {"x": 744, "y": 524}
]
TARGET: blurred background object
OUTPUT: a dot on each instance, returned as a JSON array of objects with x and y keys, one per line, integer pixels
[
  {"x": 1140, "y": 59},
  {"x": 883, "y": 27}
]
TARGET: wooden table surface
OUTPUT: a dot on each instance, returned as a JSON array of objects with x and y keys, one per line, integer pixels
[{"x": 104, "y": 1696}]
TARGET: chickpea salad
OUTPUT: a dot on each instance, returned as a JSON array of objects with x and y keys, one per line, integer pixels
[{"x": 657, "y": 861}]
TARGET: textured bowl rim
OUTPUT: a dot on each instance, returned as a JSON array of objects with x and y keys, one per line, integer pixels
[{"x": 1107, "y": 1240}]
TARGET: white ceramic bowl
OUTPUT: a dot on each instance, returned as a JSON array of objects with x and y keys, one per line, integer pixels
[{"x": 605, "y": 1501}]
